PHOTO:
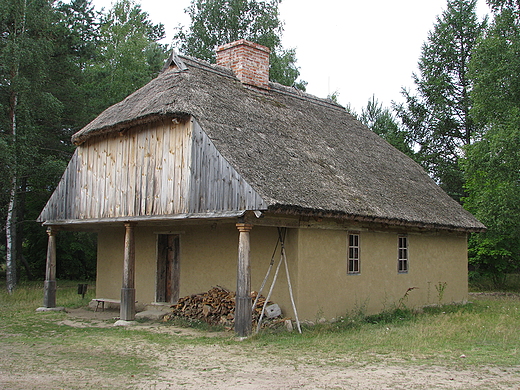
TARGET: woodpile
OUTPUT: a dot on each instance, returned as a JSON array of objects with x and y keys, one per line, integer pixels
[{"x": 216, "y": 307}]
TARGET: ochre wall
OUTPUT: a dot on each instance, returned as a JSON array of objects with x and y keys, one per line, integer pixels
[
  {"x": 326, "y": 290},
  {"x": 321, "y": 285},
  {"x": 109, "y": 275},
  {"x": 208, "y": 258}
]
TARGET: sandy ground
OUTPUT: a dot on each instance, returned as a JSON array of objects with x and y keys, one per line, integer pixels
[{"x": 225, "y": 366}]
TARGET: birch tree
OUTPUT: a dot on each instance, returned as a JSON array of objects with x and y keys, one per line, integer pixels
[
  {"x": 33, "y": 87},
  {"x": 13, "y": 44}
]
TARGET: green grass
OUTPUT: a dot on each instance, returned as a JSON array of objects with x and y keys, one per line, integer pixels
[
  {"x": 484, "y": 331},
  {"x": 509, "y": 283}
]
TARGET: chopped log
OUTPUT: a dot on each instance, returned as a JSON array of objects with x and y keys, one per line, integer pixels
[{"x": 216, "y": 307}]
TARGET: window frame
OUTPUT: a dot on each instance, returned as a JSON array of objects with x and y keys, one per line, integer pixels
[
  {"x": 403, "y": 265},
  {"x": 353, "y": 253}
]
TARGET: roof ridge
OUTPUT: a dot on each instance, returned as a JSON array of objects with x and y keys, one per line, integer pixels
[
  {"x": 275, "y": 87},
  {"x": 205, "y": 65},
  {"x": 294, "y": 92}
]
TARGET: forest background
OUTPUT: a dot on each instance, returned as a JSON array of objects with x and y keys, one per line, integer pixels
[{"x": 63, "y": 63}]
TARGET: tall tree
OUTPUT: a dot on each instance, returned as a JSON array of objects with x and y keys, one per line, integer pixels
[
  {"x": 217, "y": 22},
  {"x": 25, "y": 47},
  {"x": 128, "y": 55},
  {"x": 43, "y": 48},
  {"x": 437, "y": 117},
  {"x": 492, "y": 163},
  {"x": 61, "y": 63},
  {"x": 382, "y": 122}
]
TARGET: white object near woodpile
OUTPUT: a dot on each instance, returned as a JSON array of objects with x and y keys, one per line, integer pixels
[{"x": 273, "y": 311}]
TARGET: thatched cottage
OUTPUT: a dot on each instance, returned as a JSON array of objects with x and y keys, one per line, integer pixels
[{"x": 205, "y": 164}]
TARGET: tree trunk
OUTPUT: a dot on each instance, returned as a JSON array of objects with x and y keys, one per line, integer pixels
[
  {"x": 10, "y": 234},
  {"x": 10, "y": 225},
  {"x": 20, "y": 220}
]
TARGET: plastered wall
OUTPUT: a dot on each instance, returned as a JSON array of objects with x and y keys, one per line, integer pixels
[
  {"x": 208, "y": 258},
  {"x": 317, "y": 261},
  {"x": 325, "y": 288}
]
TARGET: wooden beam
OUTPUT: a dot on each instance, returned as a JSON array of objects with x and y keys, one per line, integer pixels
[
  {"x": 49, "y": 288},
  {"x": 127, "y": 309},
  {"x": 243, "y": 311}
]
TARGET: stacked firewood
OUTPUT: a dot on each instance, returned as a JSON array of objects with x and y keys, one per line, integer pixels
[{"x": 216, "y": 307}]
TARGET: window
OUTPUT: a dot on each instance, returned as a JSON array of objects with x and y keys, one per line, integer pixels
[
  {"x": 353, "y": 254},
  {"x": 402, "y": 256}
]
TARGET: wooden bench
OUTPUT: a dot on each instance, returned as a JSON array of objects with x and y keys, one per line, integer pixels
[{"x": 102, "y": 301}]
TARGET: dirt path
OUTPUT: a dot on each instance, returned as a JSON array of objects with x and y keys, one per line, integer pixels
[
  {"x": 200, "y": 368},
  {"x": 229, "y": 366}
]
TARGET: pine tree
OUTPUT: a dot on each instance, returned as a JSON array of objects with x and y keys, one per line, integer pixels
[
  {"x": 128, "y": 55},
  {"x": 437, "y": 117},
  {"x": 492, "y": 162},
  {"x": 382, "y": 122}
]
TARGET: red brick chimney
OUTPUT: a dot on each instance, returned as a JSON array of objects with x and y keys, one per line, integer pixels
[{"x": 249, "y": 61}]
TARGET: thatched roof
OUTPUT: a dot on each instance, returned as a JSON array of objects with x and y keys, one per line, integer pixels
[{"x": 300, "y": 153}]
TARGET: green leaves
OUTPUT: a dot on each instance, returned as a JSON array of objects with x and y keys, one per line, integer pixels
[
  {"x": 382, "y": 122},
  {"x": 492, "y": 164},
  {"x": 128, "y": 55},
  {"x": 61, "y": 64},
  {"x": 217, "y": 22},
  {"x": 437, "y": 117}
]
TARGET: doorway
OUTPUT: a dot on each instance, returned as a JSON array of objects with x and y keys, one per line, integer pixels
[{"x": 168, "y": 268}]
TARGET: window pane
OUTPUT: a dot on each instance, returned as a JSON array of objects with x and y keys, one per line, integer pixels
[
  {"x": 402, "y": 254},
  {"x": 353, "y": 253}
]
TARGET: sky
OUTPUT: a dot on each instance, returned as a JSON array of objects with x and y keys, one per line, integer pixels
[{"x": 355, "y": 48}]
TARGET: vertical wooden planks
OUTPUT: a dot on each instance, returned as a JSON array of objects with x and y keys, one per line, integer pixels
[
  {"x": 118, "y": 178},
  {"x": 103, "y": 178},
  {"x": 152, "y": 174},
  {"x": 186, "y": 163},
  {"x": 157, "y": 169},
  {"x": 130, "y": 160},
  {"x": 140, "y": 191},
  {"x": 160, "y": 185},
  {"x": 170, "y": 195},
  {"x": 215, "y": 184}
]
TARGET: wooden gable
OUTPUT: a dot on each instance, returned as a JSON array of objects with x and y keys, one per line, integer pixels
[{"x": 162, "y": 169}]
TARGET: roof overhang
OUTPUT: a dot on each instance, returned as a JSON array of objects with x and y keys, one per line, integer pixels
[
  {"x": 385, "y": 222},
  {"x": 148, "y": 219}
]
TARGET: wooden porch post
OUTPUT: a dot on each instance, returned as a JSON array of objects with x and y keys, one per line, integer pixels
[
  {"x": 49, "y": 287},
  {"x": 243, "y": 311},
  {"x": 127, "y": 309}
]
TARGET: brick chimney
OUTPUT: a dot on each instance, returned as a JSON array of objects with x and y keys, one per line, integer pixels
[{"x": 249, "y": 61}]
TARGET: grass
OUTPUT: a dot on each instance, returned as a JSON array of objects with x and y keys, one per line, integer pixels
[
  {"x": 509, "y": 283},
  {"x": 484, "y": 331}
]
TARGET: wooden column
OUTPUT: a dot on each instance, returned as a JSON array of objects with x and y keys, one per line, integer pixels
[
  {"x": 127, "y": 309},
  {"x": 49, "y": 287},
  {"x": 243, "y": 311}
]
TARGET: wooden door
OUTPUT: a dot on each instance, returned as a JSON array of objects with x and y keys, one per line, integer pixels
[{"x": 168, "y": 268}]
